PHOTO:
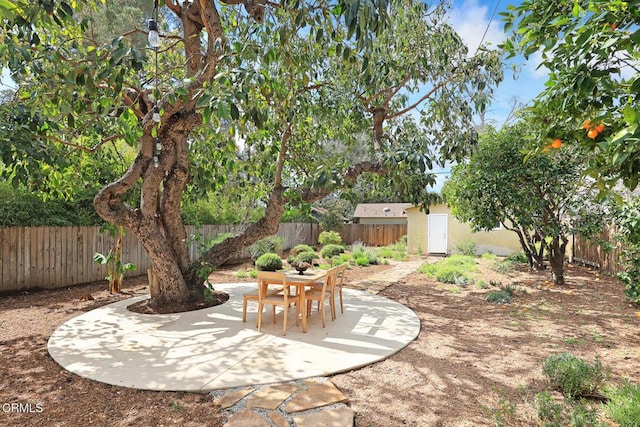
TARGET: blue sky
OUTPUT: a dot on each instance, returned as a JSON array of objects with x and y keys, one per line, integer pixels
[{"x": 471, "y": 18}]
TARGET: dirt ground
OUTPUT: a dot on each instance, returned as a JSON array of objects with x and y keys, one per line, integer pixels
[{"x": 473, "y": 363}]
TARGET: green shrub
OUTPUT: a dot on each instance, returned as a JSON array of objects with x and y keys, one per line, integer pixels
[
  {"x": 504, "y": 266},
  {"x": 269, "y": 262},
  {"x": 299, "y": 249},
  {"x": 454, "y": 269},
  {"x": 341, "y": 259},
  {"x": 271, "y": 244},
  {"x": 305, "y": 257},
  {"x": 518, "y": 258},
  {"x": 489, "y": 255},
  {"x": 385, "y": 252},
  {"x": 623, "y": 405},
  {"x": 550, "y": 412},
  {"x": 499, "y": 297},
  {"x": 329, "y": 238},
  {"x": 630, "y": 276},
  {"x": 573, "y": 376},
  {"x": 329, "y": 251},
  {"x": 467, "y": 247},
  {"x": 363, "y": 256},
  {"x": 22, "y": 207},
  {"x": 449, "y": 274}
]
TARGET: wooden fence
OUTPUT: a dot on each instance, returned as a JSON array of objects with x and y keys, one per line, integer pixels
[
  {"x": 591, "y": 253},
  {"x": 54, "y": 257},
  {"x": 373, "y": 234}
]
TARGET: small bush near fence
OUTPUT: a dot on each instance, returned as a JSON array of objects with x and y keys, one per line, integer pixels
[
  {"x": 269, "y": 262},
  {"x": 274, "y": 244},
  {"x": 330, "y": 238},
  {"x": 329, "y": 251}
]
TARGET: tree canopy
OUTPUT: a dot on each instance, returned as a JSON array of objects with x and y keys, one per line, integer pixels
[
  {"x": 544, "y": 199},
  {"x": 296, "y": 98}
]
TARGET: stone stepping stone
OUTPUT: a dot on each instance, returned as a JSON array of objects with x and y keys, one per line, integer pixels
[
  {"x": 246, "y": 417},
  {"x": 278, "y": 420},
  {"x": 316, "y": 396},
  {"x": 228, "y": 400},
  {"x": 338, "y": 417},
  {"x": 271, "y": 397}
]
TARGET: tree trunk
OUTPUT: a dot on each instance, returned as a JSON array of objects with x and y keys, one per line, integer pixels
[
  {"x": 536, "y": 260},
  {"x": 556, "y": 259}
]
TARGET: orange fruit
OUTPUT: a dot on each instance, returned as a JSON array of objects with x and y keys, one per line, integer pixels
[
  {"x": 614, "y": 25},
  {"x": 593, "y": 133},
  {"x": 587, "y": 124},
  {"x": 600, "y": 127},
  {"x": 557, "y": 143}
]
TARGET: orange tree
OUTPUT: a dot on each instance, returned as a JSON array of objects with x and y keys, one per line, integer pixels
[
  {"x": 592, "y": 51},
  {"x": 542, "y": 197},
  {"x": 246, "y": 91}
]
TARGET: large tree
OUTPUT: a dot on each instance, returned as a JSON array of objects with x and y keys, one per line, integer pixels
[
  {"x": 592, "y": 51},
  {"x": 543, "y": 198},
  {"x": 249, "y": 89}
]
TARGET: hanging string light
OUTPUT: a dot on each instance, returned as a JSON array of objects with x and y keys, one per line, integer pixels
[{"x": 154, "y": 42}]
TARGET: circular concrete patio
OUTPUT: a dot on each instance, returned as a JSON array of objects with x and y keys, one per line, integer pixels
[{"x": 212, "y": 349}]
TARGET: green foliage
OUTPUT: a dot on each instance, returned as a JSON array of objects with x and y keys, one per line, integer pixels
[
  {"x": 573, "y": 376},
  {"x": 341, "y": 259},
  {"x": 306, "y": 257},
  {"x": 489, "y": 255},
  {"x": 244, "y": 274},
  {"x": 502, "y": 296},
  {"x": 113, "y": 260},
  {"x": 228, "y": 205},
  {"x": 396, "y": 251},
  {"x": 329, "y": 251},
  {"x": 300, "y": 248},
  {"x": 540, "y": 196},
  {"x": 628, "y": 232},
  {"x": 504, "y": 266},
  {"x": 590, "y": 49},
  {"x": 273, "y": 244},
  {"x": 467, "y": 247},
  {"x": 566, "y": 413},
  {"x": 518, "y": 258},
  {"x": 337, "y": 210},
  {"x": 623, "y": 405},
  {"x": 363, "y": 256},
  {"x": 269, "y": 262},
  {"x": 454, "y": 269},
  {"x": 499, "y": 297},
  {"x": 505, "y": 412},
  {"x": 329, "y": 238},
  {"x": 20, "y": 207}
]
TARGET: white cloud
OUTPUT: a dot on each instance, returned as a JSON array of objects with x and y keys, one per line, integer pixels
[
  {"x": 470, "y": 19},
  {"x": 536, "y": 70}
]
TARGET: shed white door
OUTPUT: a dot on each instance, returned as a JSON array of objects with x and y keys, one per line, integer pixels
[{"x": 437, "y": 233}]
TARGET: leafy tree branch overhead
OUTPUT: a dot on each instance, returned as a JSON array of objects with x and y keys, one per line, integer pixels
[
  {"x": 301, "y": 97},
  {"x": 592, "y": 51}
]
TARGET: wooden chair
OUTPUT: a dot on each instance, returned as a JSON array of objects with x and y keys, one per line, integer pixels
[
  {"x": 285, "y": 299},
  {"x": 253, "y": 296},
  {"x": 339, "y": 283},
  {"x": 336, "y": 289},
  {"x": 322, "y": 294}
]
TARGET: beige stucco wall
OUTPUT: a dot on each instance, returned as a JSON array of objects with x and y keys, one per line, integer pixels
[{"x": 500, "y": 242}]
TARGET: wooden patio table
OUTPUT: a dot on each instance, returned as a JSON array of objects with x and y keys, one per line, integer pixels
[{"x": 301, "y": 281}]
